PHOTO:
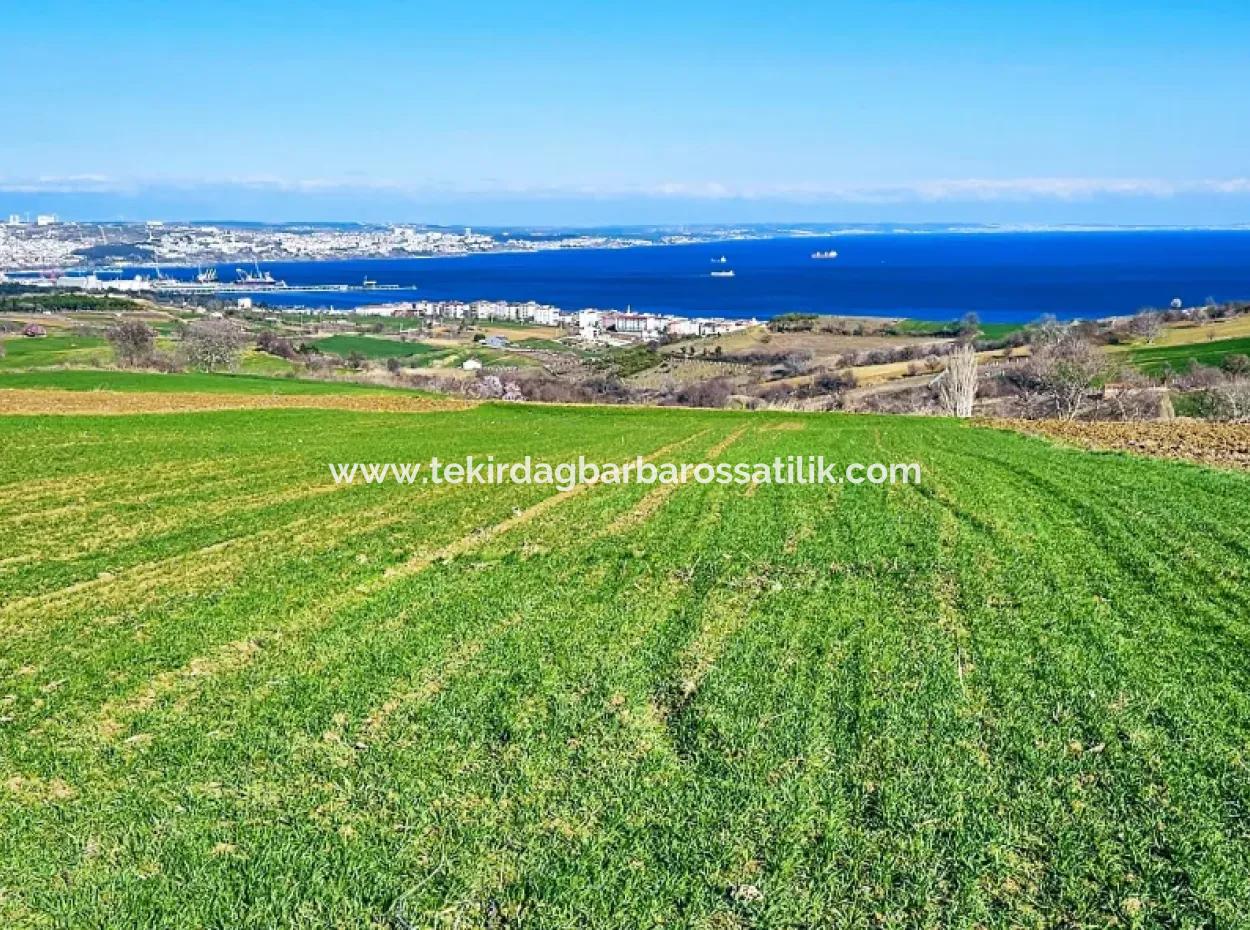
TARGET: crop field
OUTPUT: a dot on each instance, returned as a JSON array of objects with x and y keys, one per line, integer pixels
[
  {"x": 48, "y": 351},
  {"x": 417, "y": 353},
  {"x": 1186, "y": 333},
  {"x": 236, "y": 694},
  {"x": 1157, "y": 359},
  {"x": 374, "y": 348},
  {"x": 930, "y": 327}
]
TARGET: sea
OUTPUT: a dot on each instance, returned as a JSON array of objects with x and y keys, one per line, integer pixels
[{"x": 1003, "y": 277}]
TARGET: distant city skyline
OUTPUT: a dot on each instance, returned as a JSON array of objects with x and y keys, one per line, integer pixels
[{"x": 580, "y": 114}]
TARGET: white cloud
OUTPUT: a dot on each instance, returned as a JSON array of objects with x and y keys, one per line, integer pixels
[
  {"x": 930, "y": 191},
  {"x": 967, "y": 189}
]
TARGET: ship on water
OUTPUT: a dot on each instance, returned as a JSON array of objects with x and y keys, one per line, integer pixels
[
  {"x": 719, "y": 261},
  {"x": 206, "y": 275},
  {"x": 723, "y": 274},
  {"x": 256, "y": 278},
  {"x": 830, "y": 254}
]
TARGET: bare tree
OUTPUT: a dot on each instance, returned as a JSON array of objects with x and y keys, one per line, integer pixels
[
  {"x": 969, "y": 326},
  {"x": 957, "y": 386},
  {"x": 795, "y": 363},
  {"x": 1233, "y": 400},
  {"x": 212, "y": 345},
  {"x": 133, "y": 342},
  {"x": 1062, "y": 375},
  {"x": 1146, "y": 324},
  {"x": 1045, "y": 329}
]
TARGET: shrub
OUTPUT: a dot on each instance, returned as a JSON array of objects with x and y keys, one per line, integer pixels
[
  {"x": 712, "y": 393},
  {"x": 1220, "y": 397},
  {"x": 1237, "y": 364},
  {"x": 273, "y": 344},
  {"x": 793, "y": 323}
]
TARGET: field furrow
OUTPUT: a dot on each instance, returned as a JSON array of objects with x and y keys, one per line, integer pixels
[{"x": 235, "y": 694}]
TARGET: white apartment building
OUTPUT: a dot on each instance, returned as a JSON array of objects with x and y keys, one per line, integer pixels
[
  {"x": 684, "y": 327},
  {"x": 546, "y": 315},
  {"x": 588, "y": 323}
]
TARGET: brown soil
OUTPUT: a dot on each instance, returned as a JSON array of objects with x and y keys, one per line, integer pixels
[
  {"x": 1225, "y": 445},
  {"x": 34, "y": 402}
]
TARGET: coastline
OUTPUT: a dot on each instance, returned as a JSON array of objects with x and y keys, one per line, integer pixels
[
  {"x": 938, "y": 275},
  {"x": 796, "y": 233}
]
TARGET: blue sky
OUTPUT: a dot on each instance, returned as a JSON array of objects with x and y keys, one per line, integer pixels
[{"x": 643, "y": 112}]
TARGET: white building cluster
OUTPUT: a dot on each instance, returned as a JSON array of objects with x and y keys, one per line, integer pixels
[
  {"x": 589, "y": 324},
  {"x": 598, "y": 325},
  {"x": 26, "y": 246},
  {"x": 506, "y": 311},
  {"x": 45, "y": 242},
  {"x": 200, "y": 243}
]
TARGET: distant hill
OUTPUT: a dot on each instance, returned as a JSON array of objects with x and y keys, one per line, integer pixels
[{"x": 116, "y": 251}]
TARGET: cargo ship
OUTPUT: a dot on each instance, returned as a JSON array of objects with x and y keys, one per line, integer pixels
[{"x": 256, "y": 278}]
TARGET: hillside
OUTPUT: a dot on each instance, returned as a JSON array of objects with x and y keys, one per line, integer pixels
[{"x": 233, "y": 693}]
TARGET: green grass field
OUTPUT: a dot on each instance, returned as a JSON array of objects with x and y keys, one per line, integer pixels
[
  {"x": 372, "y": 347},
  {"x": 51, "y": 351},
  {"x": 932, "y": 328},
  {"x": 233, "y": 694},
  {"x": 254, "y": 362},
  {"x": 1158, "y": 359}
]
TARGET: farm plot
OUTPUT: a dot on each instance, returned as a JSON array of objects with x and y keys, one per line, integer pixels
[
  {"x": 1179, "y": 358},
  {"x": 373, "y": 347},
  {"x": 50, "y": 351},
  {"x": 233, "y": 693}
]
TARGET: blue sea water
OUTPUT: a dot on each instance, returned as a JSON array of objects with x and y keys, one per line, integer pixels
[{"x": 1003, "y": 277}]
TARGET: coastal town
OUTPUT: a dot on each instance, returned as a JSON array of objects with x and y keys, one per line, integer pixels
[
  {"x": 590, "y": 325},
  {"x": 44, "y": 253},
  {"x": 46, "y": 242}
]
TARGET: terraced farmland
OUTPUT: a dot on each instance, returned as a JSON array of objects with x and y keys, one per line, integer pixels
[{"x": 235, "y": 694}]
